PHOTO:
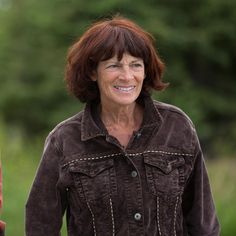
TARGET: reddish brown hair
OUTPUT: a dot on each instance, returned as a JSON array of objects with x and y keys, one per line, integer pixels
[{"x": 102, "y": 41}]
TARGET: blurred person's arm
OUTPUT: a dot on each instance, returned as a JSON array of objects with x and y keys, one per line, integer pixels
[{"x": 2, "y": 224}]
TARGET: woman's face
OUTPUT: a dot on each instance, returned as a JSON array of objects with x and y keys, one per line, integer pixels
[{"x": 120, "y": 82}]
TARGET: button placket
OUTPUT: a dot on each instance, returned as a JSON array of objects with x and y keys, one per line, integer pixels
[{"x": 135, "y": 202}]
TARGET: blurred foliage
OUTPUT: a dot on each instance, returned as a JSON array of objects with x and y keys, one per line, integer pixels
[
  {"x": 223, "y": 176},
  {"x": 196, "y": 40},
  {"x": 19, "y": 163}
]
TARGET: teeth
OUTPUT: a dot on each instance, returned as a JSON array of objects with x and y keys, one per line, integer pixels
[{"x": 125, "y": 89}]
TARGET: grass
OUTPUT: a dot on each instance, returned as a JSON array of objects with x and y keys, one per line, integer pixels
[
  {"x": 222, "y": 175},
  {"x": 20, "y": 160}
]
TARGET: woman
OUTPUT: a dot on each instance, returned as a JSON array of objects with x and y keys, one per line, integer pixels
[{"x": 125, "y": 165}]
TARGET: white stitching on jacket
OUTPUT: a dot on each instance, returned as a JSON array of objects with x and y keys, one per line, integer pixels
[
  {"x": 175, "y": 214},
  {"x": 128, "y": 154},
  {"x": 91, "y": 158},
  {"x": 112, "y": 219},
  {"x": 158, "y": 216},
  {"x": 169, "y": 153},
  {"x": 93, "y": 219}
]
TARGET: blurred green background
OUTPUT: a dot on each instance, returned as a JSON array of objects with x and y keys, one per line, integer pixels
[{"x": 196, "y": 39}]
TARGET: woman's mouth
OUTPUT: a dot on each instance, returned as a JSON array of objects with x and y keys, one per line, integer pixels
[{"x": 124, "y": 88}]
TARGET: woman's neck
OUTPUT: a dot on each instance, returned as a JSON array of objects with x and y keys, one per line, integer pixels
[{"x": 129, "y": 116}]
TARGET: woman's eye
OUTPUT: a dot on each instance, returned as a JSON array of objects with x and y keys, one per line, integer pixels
[
  {"x": 137, "y": 65},
  {"x": 113, "y": 66}
]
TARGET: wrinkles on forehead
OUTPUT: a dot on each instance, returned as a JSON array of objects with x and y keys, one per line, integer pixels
[{"x": 125, "y": 60}]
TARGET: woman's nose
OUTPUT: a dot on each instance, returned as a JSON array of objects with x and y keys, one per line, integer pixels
[{"x": 127, "y": 72}]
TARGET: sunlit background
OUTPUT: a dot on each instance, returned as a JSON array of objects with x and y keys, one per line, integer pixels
[{"x": 196, "y": 40}]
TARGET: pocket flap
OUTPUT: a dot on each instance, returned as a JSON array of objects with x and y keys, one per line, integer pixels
[
  {"x": 91, "y": 168},
  {"x": 164, "y": 163}
]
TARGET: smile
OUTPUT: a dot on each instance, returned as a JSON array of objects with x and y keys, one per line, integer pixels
[{"x": 124, "y": 89}]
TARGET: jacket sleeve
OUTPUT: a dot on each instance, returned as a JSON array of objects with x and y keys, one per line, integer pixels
[
  {"x": 198, "y": 206},
  {"x": 47, "y": 201}
]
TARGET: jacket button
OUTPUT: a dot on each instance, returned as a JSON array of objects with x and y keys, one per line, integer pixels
[
  {"x": 137, "y": 216},
  {"x": 134, "y": 173}
]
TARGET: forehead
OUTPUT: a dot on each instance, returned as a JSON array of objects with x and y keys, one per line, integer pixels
[{"x": 126, "y": 58}]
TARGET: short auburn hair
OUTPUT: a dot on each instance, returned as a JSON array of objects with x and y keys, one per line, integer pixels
[{"x": 103, "y": 40}]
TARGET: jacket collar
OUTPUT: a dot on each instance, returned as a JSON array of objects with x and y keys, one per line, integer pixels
[{"x": 92, "y": 125}]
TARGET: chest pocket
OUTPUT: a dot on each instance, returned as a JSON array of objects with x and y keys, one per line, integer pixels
[
  {"x": 164, "y": 173},
  {"x": 94, "y": 179}
]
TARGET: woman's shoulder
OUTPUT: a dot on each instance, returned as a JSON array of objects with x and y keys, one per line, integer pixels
[
  {"x": 68, "y": 124},
  {"x": 170, "y": 110},
  {"x": 175, "y": 120}
]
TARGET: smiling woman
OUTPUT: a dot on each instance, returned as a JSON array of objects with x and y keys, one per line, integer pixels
[
  {"x": 110, "y": 40},
  {"x": 126, "y": 164},
  {"x": 119, "y": 82}
]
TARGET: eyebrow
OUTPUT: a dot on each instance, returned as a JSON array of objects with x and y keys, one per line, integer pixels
[{"x": 134, "y": 61}]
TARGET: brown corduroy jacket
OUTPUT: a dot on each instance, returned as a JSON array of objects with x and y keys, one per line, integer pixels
[{"x": 157, "y": 185}]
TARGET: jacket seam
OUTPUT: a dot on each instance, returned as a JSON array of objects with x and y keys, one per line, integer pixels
[
  {"x": 93, "y": 219},
  {"x": 112, "y": 218},
  {"x": 128, "y": 154},
  {"x": 158, "y": 216},
  {"x": 175, "y": 215}
]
